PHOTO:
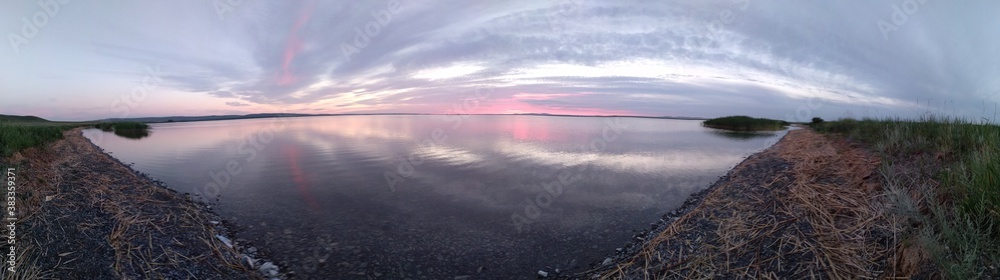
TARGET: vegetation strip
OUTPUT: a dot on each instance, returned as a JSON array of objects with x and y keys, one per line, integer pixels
[
  {"x": 943, "y": 175},
  {"x": 871, "y": 199},
  {"x": 744, "y": 123}
]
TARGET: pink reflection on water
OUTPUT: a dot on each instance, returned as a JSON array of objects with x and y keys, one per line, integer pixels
[{"x": 291, "y": 153}]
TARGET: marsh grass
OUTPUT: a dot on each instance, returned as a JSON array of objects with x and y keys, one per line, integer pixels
[
  {"x": 14, "y": 137},
  {"x": 744, "y": 123},
  {"x": 109, "y": 126},
  {"x": 958, "y": 206},
  {"x": 21, "y": 132}
]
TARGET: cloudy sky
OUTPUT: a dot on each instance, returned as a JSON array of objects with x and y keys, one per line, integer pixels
[{"x": 83, "y": 60}]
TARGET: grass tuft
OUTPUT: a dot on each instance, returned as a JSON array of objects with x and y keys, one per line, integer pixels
[{"x": 744, "y": 123}]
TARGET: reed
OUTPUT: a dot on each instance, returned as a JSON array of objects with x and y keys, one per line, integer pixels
[{"x": 744, "y": 123}]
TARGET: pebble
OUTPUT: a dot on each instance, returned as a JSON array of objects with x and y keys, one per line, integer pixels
[
  {"x": 269, "y": 268},
  {"x": 543, "y": 274},
  {"x": 248, "y": 261},
  {"x": 225, "y": 240},
  {"x": 607, "y": 261}
]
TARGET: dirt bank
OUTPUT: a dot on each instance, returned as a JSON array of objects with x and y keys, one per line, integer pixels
[
  {"x": 84, "y": 215},
  {"x": 808, "y": 207}
]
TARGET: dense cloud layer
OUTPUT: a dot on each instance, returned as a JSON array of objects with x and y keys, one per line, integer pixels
[{"x": 780, "y": 59}]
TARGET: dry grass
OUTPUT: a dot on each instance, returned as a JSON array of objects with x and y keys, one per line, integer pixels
[
  {"x": 825, "y": 217},
  {"x": 148, "y": 231}
]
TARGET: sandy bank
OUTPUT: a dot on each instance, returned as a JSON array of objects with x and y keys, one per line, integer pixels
[{"x": 84, "y": 215}]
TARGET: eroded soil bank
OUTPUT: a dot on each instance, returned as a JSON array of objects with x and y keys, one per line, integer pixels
[
  {"x": 810, "y": 206},
  {"x": 84, "y": 215}
]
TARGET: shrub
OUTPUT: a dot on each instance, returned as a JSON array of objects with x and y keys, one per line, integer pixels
[{"x": 744, "y": 123}]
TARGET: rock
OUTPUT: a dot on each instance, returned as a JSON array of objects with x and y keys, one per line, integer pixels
[
  {"x": 214, "y": 222},
  {"x": 248, "y": 261},
  {"x": 224, "y": 240},
  {"x": 543, "y": 274},
  {"x": 606, "y": 262},
  {"x": 269, "y": 269}
]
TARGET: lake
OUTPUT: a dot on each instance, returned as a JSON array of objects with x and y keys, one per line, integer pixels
[{"x": 430, "y": 196}]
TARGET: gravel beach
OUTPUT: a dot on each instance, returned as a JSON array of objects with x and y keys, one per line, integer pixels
[{"x": 84, "y": 215}]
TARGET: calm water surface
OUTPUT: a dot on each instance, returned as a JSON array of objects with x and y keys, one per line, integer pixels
[{"x": 437, "y": 196}]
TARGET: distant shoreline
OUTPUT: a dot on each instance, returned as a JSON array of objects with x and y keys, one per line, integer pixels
[{"x": 173, "y": 119}]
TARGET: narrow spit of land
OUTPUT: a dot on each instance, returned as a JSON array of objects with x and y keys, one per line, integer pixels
[
  {"x": 85, "y": 215},
  {"x": 808, "y": 207}
]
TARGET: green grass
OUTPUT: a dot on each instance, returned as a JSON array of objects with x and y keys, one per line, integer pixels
[
  {"x": 109, "y": 126},
  {"x": 14, "y": 137},
  {"x": 744, "y": 123},
  {"x": 21, "y": 132},
  {"x": 962, "y": 225},
  {"x": 131, "y": 130}
]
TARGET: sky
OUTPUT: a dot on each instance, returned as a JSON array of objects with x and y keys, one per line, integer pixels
[{"x": 792, "y": 60}]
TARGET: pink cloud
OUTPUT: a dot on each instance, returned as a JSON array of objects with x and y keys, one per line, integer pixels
[{"x": 293, "y": 46}]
